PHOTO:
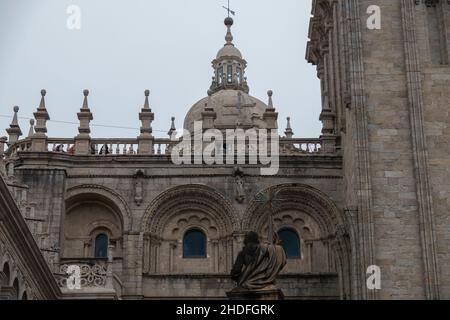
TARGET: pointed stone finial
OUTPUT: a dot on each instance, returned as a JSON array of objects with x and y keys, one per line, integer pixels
[
  {"x": 42, "y": 103},
  {"x": 38, "y": 132},
  {"x": 15, "y": 120},
  {"x": 14, "y": 131},
  {"x": 146, "y": 116},
  {"x": 146, "y": 103},
  {"x": 82, "y": 140},
  {"x": 31, "y": 132},
  {"x": 41, "y": 116},
  {"x": 85, "y": 101},
  {"x": 172, "y": 128},
  {"x": 289, "y": 133},
  {"x": 270, "y": 94},
  {"x": 270, "y": 116}
]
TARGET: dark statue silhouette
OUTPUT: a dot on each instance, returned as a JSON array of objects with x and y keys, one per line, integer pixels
[{"x": 258, "y": 265}]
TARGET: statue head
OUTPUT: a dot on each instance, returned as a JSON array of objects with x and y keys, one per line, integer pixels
[{"x": 251, "y": 238}]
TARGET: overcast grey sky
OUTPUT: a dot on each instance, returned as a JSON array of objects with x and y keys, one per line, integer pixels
[{"x": 125, "y": 47}]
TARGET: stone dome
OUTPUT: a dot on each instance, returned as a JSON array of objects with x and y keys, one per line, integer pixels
[
  {"x": 229, "y": 51},
  {"x": 225, "y": 104}
]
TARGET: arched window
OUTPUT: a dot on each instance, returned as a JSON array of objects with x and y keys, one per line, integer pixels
[
  {"x": 101, "y": 246},
  {"x": 220, "y": 75},
  {"x": 194, "y": 244},
  {"x": 24, "y": 296},
  {"x": 230, "y": 73},
  {"x": 291, "y": 243}
]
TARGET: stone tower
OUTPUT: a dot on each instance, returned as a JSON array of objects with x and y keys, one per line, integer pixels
[{"x": 384, "y": 67}]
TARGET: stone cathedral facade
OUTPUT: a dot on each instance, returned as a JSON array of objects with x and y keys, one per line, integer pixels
[{"x": 372, "y": 190}]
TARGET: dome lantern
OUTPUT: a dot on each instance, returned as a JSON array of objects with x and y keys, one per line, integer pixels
[{"x": 229, "y": 66}]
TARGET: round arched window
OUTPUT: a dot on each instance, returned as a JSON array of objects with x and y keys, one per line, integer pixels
[
  {"x": 194, "y": 244},
  {"x": 101, "y": 246},
  {"x": 290, "y": 242}
]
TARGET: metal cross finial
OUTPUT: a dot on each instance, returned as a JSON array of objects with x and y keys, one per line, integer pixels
[{"x": 229, "y": 10}]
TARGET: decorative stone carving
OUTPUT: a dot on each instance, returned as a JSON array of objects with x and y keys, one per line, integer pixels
[
  {"x": 91, "y": 275},
  {"x": 138, "y": 187},
  {"x": 239, "y": 185}
]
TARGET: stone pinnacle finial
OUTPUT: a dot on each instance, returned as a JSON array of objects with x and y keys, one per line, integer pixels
[
  {"x": 147, "y": 104},
  {"x": 14, "y": 131},
  {"x": 42, "y": 103},
  {"x": 31, "y": 132},
  {"x": 85, "y": 102},
  {"x": 15, "y": 121},
  {"x": 289, "y": 133},
  {"x": 172, "y": 127},
  {"x": 270, "y": 94}
]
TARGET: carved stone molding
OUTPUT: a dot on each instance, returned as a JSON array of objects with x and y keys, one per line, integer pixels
[
  {"x": 110, "y": 195},
  {"x": 190, "y": 197}
]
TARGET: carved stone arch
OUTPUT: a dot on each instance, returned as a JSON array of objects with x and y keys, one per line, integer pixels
[
  {"x": 190, "y": 197},
  {"x": 301, "y": 197},
  {"x": 108, "y": 196},
  {"x": 335, "y": 226},
  {"x": 9, "y": 264},
  {"x": 25, "y": 291}
]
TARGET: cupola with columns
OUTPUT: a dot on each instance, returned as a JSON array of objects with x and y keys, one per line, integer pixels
[{"x": 229, "y": 66}]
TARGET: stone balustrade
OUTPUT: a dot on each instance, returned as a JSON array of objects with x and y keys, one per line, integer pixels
[
  {"x": 160, "y": 146},
  {"x": 94, "y": 273}
]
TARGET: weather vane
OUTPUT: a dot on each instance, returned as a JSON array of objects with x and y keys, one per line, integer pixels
[{"x": 229, "y": 10}]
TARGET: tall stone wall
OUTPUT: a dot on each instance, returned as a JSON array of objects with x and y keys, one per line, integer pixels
[{"x": 395, "y": 137}]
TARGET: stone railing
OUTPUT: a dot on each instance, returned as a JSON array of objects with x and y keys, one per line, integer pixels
[
  {"x": 130, "y": 146},
  {"x": 300, "y": 146},
  {"x": 94, "y": 273}
]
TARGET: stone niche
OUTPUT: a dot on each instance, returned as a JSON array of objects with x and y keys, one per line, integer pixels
[{"x": 88, "y": 216}]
